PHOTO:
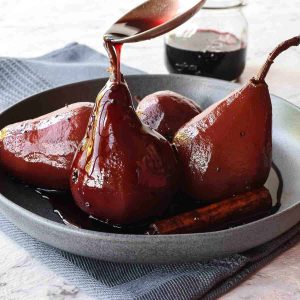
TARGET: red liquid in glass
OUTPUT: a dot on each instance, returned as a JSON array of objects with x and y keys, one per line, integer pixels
[{"x": 206, "y": 53}]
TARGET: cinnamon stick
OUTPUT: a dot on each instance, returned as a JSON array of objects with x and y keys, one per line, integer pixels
[{"x": 216, "y": 215}]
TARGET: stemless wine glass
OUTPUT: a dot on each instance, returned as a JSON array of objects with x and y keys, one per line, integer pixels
[{"x": 213, "y": 43}]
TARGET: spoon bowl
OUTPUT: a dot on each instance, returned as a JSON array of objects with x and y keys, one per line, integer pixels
[{"x": 151, "y": 19}]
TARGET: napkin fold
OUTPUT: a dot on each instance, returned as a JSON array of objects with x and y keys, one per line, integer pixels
[{"x": 20, "y": 78}]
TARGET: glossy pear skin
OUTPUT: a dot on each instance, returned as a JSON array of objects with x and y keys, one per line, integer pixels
[
  {"x": 226, "y": 150},
  {"x": 40, "y": 151},
  {"x": 124, "y": 172},
  {"x": 166, "y": 112}
]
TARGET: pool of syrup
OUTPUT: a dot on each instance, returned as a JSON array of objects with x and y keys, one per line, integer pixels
[{"x": 64, "y": 206}]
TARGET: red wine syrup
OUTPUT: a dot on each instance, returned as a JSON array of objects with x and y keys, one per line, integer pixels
[{"x": 206, "y": 53}]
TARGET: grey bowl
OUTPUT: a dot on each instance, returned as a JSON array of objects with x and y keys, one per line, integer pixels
[{"x": 34, "y": 216}]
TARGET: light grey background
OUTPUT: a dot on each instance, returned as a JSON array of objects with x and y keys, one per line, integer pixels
[{"x": 32, "y": 28}]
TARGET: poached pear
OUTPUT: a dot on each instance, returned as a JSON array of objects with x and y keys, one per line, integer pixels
[
  {"x": 124, "y": 172},
  {"x": 166, "y": 112},
  {"x": 227, "y": 149},
  {"x": 40, "y": 151}
]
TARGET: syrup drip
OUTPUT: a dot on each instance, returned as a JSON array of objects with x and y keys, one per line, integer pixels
[{"x": 114, "y": 51}]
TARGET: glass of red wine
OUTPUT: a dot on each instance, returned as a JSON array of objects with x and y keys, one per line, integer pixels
[{"x": 212, "y": 44}]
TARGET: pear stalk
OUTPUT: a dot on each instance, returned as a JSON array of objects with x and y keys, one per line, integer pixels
[
  {"x": 260, "y": 77},
  {"x": 114, "y": 53}
]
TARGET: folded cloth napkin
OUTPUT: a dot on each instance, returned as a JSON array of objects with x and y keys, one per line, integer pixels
[{"x": 20, "y": 78}]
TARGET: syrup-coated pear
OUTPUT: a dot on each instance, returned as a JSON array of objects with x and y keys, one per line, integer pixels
[
  {"x": 124, "y": 172},
  {"x": 40, "y": 151},
  {"x": 166, "y": 112},
  {"x": 227, "y": 149}
]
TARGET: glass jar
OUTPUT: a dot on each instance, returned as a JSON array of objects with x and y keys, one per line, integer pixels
[{"x": 213, "y": 43}]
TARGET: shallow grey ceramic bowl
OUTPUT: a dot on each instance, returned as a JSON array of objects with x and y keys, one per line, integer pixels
[{"x": 34, "y": 215}]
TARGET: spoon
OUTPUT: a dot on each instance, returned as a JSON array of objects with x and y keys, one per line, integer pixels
[{"x": 151, "y": 19}]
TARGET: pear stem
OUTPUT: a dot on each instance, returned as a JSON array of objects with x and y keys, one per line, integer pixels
[
  {"x": 260, "y": 77},
  {"x": 113, "y": 58}
]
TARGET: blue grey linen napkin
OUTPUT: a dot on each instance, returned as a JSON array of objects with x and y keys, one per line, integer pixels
[{"x": 20, "y": 78}]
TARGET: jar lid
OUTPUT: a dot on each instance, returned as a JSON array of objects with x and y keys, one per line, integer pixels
[{"x": 222, "y": 4}]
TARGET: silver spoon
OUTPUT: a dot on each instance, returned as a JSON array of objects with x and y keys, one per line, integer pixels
[{"x": 151, "y": 19}]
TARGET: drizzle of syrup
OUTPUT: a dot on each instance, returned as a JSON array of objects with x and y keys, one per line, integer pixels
[{"x": 114, "y": 51}]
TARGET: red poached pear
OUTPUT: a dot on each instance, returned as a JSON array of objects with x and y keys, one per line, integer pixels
[
  {"x": 40, "y": 151},
  {"x": 227, "y": 149},
  {"x": 124, "y": 172},
  {"x": 166, "y": 112}
]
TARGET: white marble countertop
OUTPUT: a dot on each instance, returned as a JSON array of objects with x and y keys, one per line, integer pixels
[{"x": 32, "y": 28}]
